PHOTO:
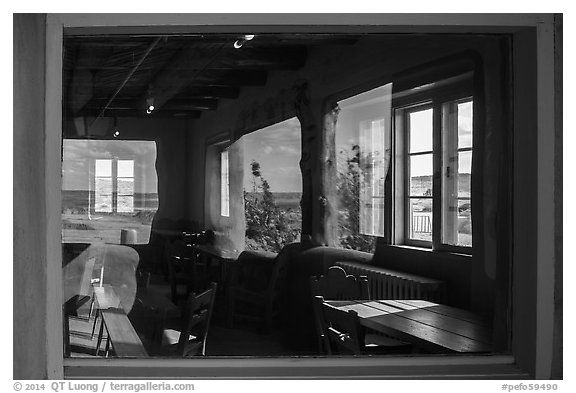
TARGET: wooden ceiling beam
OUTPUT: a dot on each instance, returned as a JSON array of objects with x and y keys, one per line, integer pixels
[
  {"x": 210, "y": 91},
  {"x": 192, "y": 67},
  {"x": 123, "y": 112},
  {"x": 174, "y": 104}
]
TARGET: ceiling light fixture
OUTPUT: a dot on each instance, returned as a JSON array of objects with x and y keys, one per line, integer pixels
[
  {"x": 115, "y": 131},
  {"x": 149, "y": 104},
  {"x": 149, "y": 100},
  {"x": 241, "y": 41}
]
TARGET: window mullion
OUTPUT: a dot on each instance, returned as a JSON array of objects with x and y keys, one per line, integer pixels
[
  {"x": 115, "y": 185},
  {"x": 436, "y": 177},
  {"x": 406, "y": 180}
]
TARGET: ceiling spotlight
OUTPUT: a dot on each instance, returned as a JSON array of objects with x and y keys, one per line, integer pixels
[
  {"x": 115, "y": 132},
  {"x": 239, "y": 42},
  {"x": 150, "y": 104}
]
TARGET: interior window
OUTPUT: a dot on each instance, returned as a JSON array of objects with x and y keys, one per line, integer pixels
[
  {"x": 108, "y": 187},
  {"x": 363, "y": 156},
  {"x": 434, "y": 136}
]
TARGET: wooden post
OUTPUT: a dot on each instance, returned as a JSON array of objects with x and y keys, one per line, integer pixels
[
  {"x": 318, "y": 165},
  {"x": 328, "y": 172},
  {"x": 309, "y": 131}
]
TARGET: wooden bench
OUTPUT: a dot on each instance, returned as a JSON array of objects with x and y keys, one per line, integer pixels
[{"x": 121, "y": 333}]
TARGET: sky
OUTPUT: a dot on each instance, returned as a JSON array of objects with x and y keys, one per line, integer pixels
[{"x": 278, "y": 150}]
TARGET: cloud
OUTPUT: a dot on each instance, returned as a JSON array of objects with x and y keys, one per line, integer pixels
[
  {"x": 290, "y": 150},
  {"x": 267, "y": 150}
]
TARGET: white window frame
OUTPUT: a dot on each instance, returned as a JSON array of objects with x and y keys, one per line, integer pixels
[
  {"x": 118, "y": 177},
  {"x": 406, "y": 155},
  {"x": 114, "y": 177},
  {"x": 401, "y": 198},
  {"x": 224, "y": 183},
  {"x": 111, "y": 177},
  {"x": 452, "y": 139}
]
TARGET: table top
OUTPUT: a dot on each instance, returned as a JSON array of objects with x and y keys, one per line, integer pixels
[
  {"x": 168, "y": 232},
  {"x": 431, "y": 326},
  {"x": 157, "y": 302},
  {"x": 216, "y": 252}
]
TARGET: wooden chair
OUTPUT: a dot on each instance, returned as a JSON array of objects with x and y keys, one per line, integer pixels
[
  {"x": 184, "y": 274},
  {"x": 335, "y": 285},
  {"x": 71, "y": 306},
  {"x": 267, "y": 299},
  {"x": 190, "y": 338},
  {"x": 346, "y": 335}
]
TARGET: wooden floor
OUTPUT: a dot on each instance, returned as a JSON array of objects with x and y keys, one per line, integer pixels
[{"x": 222, "y": 341}]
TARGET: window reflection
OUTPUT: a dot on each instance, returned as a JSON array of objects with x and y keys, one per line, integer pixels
[
  {"x": 363, "y": 157},
  {"x": 107, "y": 187}
]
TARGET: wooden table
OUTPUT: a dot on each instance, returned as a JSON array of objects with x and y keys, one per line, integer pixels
[
  {"x": 210, "y": 255},
  {"x": 121, "y": 333},
  {"x": 430, "y": 326}
]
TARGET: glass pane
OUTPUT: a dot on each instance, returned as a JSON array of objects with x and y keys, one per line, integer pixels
[
  {"x": 464, "y": 173},
  {"x": 103, "y": 167},
  {"x": 125, "y": 204},
  {"x": 464, "y": 223},
  {"x": 420, "y": 131},
  {"x": 103, "y": 186},
  {"x": 125, "y": 168},
  {"x": 420, "y": 219},
  {"x": 125, "y": 186},
  {"x": 421, "y": 175},
  {"x": 103, "y": 203},
  {"x": 465, "y": 124}
]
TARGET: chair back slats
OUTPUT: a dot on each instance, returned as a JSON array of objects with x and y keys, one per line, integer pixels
[
  {"x": 196, "y": 322},
  {"x": 342, "y": 328},
  {"x": 335, "y": 285}
]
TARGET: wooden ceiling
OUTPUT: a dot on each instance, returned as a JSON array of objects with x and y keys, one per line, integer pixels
[{"x": 115, "y": 76}]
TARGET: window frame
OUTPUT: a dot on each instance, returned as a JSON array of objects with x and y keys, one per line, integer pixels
[
  {"x": 114, "y": 183},
  {"x": 406, "y": 225},
  {"x": 111, "y": 177},
  {"x": 442, "y": 245},
  {"x": 117, "y": 177},
  {"x": 402, "y": 107},
  {"x": 224, "y": 209},
  {"x": 535, "y": 36}
]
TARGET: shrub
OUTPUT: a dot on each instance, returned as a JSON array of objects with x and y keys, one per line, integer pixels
[
  {"x": 348, "y": 187},
  {"x": 268, "y": 228}
]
